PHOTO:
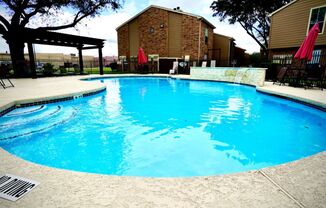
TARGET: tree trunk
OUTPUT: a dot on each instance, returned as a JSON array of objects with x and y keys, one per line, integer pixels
[
  {"x": 16, "y": 47},
  {"x": 264, "y": 55}
]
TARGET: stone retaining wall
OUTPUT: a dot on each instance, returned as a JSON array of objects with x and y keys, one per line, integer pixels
[{"x": 250, "y": 76}]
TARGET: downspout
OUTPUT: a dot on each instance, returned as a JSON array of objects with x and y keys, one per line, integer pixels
[
  {"x": 229, "y": 52},
  {"x": 199, "y": 41}
]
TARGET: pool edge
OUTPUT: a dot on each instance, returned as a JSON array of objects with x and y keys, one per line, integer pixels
[
  {"x": 55, "y": 180},
  {"x": 45, "y": 100},
  {"x": 305, "y": 101},
  {"x": 34, "y": 170}
]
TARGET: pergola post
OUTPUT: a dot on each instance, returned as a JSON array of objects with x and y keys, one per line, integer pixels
[
  {"x": 34, "y": 36},
  {"x": 31, "y": 59},
  {"x": 81, "y": 63},
  {"x": 100, "y": 59}
]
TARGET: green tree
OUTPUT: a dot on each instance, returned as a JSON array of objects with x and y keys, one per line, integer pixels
[
  {"x": 252, "y": 15},
  {"x": 21, "y": 12},
  {"x": 255, "y": 59}
]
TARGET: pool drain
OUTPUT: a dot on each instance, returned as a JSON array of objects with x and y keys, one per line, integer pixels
[{"x": 14, "y": 187}]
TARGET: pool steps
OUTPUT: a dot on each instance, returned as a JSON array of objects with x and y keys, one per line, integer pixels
[
  {"x": 35, "y": 122},
  {"x": 54, "y": 100}
]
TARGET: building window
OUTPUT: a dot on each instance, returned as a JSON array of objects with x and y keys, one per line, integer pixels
[
  {"x": 206, "y": 35},
  {"x": 282, "y": 59},
  {"x": 316, "y": 54},
  {"x": 317, "y": 15}
]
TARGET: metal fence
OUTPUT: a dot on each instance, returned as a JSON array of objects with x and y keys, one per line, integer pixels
[
  {"x": 165, "y": 64},
  {"x": 59, "y": 66},
  {"x": 62, "y": 66},
  {"x": 287, "y": 60},
  {"x": 318, "y": 57}
]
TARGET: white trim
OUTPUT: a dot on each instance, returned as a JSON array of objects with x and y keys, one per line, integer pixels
[
  {"x": 166, "y": 9},
  {"x": 322, "y": 32},
  {"x": 199, "y": 42},
  {"x": 224, "y": 36},
  {"x": 283, "y": 7}
]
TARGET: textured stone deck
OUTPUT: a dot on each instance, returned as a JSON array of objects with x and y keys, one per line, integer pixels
[{"x": 297, "y": 184}]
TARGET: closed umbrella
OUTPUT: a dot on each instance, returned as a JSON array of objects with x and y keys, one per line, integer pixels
[
  {"x": 142, "y": 59},
  {"x": 307, "y": 47}
]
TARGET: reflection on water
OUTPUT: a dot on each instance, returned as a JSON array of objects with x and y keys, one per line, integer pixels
[{"x": 164, "y": 127}]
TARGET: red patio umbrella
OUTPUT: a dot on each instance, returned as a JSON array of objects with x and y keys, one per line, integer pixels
[
  {"x": 142, "y": 59},
  {"x": 306, "y": 48}
]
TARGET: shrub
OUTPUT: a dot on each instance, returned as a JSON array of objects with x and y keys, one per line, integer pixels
[
  {"x": 63, "y": 70},
  {"x": 48, "y": 69}
]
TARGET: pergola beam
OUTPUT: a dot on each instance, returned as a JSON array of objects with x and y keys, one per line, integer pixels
[
  {"x": 90, "y": 47},
  {"x": 55, "y": 43},
  {"x": 59, "y": 39}
]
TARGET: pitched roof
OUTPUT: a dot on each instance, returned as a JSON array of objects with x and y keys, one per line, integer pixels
[
  {"x": 169, "y": 10},
  {"x": 283, "y": 7},
  {"x": 241, "y": 48},
  {"x": 228, "y": 37}
]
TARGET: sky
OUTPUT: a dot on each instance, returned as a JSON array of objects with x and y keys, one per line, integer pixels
[{"x": 104, "y": 26}]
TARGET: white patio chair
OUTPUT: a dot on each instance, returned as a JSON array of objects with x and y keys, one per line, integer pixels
[
  {"x": 213, "y": 63},
  {"x": 204, "y": 64},
  {"x": 174, "y": 69}
]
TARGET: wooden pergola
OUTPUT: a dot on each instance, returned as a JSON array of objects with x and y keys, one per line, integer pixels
[{"x": 60, "y": 39}]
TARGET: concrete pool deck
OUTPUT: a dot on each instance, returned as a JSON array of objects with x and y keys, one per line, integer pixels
[{"x": 301, "y": 183}]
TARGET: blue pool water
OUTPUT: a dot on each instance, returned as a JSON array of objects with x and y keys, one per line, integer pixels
[{"x": 161, "y": 127}]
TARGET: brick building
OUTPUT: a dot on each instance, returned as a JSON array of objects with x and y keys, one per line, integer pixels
[
  {"x": 171, "y": 33},
  {"x": 223, "y": 50}
]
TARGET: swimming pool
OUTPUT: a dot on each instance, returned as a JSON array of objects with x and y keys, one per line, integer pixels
[{"x": 162, "y": 127}]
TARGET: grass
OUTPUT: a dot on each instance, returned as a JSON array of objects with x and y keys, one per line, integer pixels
[
  {"x": 93, "y": 70},
  {"x": 106, "y": 70},
  {"x": 96, "y": 70}
]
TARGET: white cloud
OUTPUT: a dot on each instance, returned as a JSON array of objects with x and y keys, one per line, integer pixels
[
  {"x": 195, "y": 7},
  {"x": 104, "y": 26}
]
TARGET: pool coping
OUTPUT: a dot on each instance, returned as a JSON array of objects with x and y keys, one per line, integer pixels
[
  {"x": 35, "y": 171},
  {"x": 306, "y": 101},
  {"x": 50, "y": 99},
  {"x": 66, "y": 96}
]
